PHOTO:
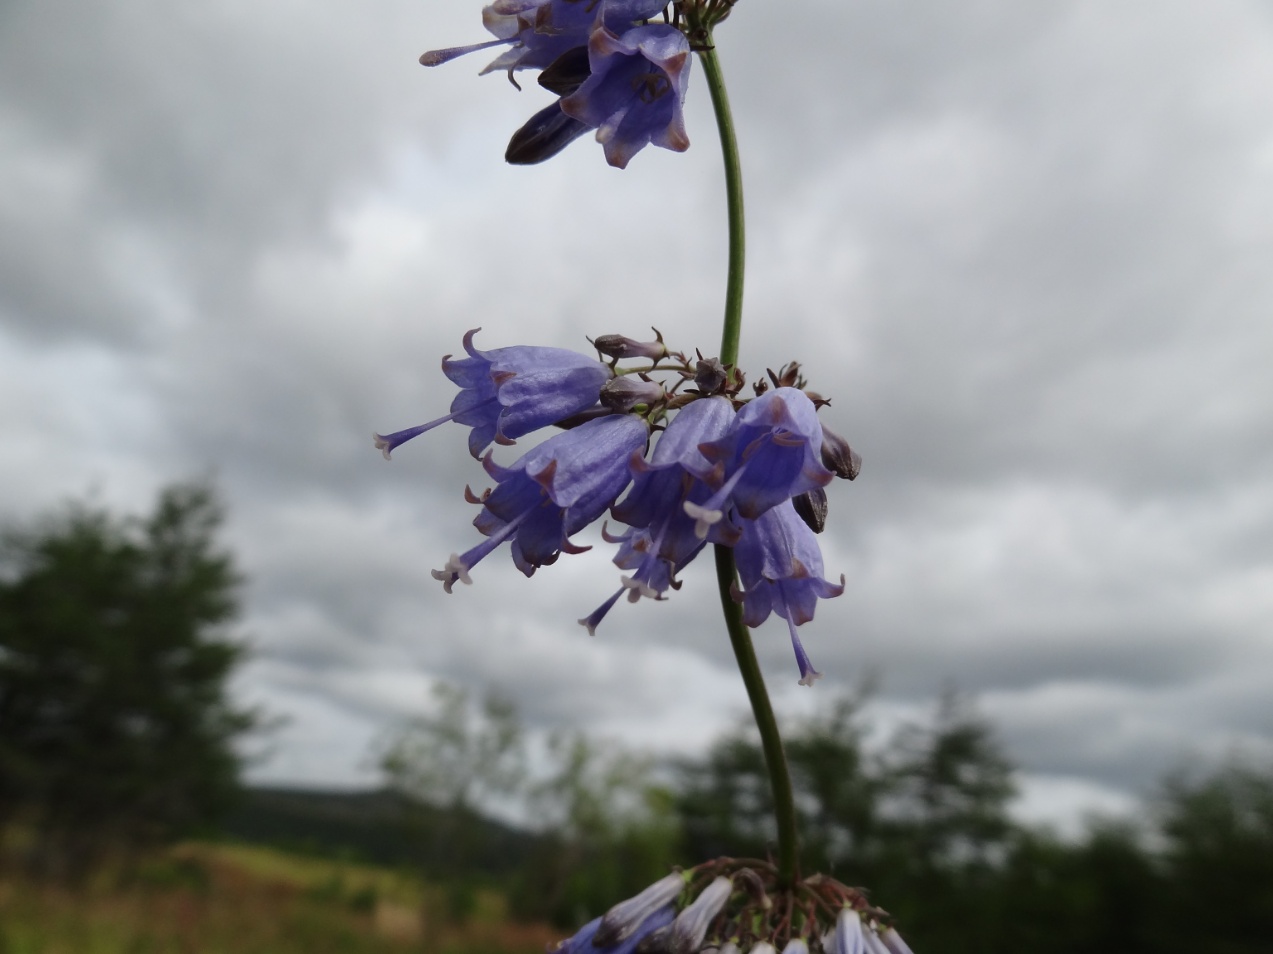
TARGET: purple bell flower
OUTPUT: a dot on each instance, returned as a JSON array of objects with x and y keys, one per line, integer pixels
[
  {"x": 673, "y": 476},
  {"x": 537, "y": 32},
  {"x": 663, "y": 539},
  {"x": 550, "y": 493},
  {"x": 771, "y": 454},
  {"x": 509, "y": 392},
  {"x": 527, "y": 27},
  {"x": 636, "y": 89},
  {"x": 780, "y": 568}
]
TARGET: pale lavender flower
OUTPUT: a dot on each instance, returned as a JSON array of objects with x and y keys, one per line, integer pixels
[
  {"x": 690, "y": 926},
  {"x": 873, "y": 944},
  {"x": 622, "y": 920},
  {"x": 848, "y": 936},
  {"x": 893, "y": 941}
]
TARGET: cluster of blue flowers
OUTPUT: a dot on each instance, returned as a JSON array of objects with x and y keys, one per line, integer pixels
[
  {"x": 724, "y": 907},
  {"x": 611, "y": 69},
  {"x": 744, "y": 473}
]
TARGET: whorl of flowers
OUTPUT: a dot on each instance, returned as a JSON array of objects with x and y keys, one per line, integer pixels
[
  {"x": 745, "y": 472},
  {"x": 613, "y": 69},
  {"x": 734, "y": 906}
]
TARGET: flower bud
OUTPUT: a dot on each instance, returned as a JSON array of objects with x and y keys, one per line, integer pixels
[
  {"x": 838, "y": 457},
  {"x": 710, "y": 376},
  {"x": 624, "y": 393},
  {"x": 544, "y": 135},
  {"x": 619, "y": 347},
  {"x": 751, "y": 882},
  {"x": 812, "y": 508}
]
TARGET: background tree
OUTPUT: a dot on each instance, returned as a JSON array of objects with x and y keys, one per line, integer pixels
[
  {"x": 1218, "y": 855},
  {"x": 606, "y": 828},
  {"x": 946, "y": 832},
  {"x": 450, "y": 765},
  {"x": 922, "y": 816},
  {"x": 115, "y": 728},
  {"x": 461, "y": 755}
]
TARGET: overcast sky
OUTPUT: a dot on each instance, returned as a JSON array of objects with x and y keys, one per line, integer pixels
[{"x": 1024, "y": 247}]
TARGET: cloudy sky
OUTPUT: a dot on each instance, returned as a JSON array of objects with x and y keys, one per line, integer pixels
[{"x": 1024, "y": 247}]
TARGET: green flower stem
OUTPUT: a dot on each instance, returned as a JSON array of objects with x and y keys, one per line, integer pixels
[
  {"x": 733, "y": 325},
  {"x": 726, "y": 570},
  {"x": 770, "y": 740}
]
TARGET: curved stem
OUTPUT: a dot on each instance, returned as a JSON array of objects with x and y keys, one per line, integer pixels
[
  {"x": 726, "y": 570},
  {"x": 733, "y": 325},
  {"x": 770, "y": 740}
]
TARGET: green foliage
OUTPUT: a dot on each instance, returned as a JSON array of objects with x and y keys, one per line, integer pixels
[
  {"x": 922, "y": 821},
  {"x": 602, "y": 828},
  {"x": 1219, "y": 860},
  {"x": 934, "y": 800},
  {"x": 607, "y": 830},
  {"x": 446, "y": 764},
  {"x": 115, "y": 729},
  {"x": 246, "y": 901},
  {"x": 458, "y": 755},
  {"x": 920, "y": 818}
]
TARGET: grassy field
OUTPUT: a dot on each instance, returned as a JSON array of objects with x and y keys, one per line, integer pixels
[{"x": 239, "y": 899}]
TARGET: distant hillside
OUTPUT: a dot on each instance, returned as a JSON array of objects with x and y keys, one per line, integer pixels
[{"x": 377, "y": 826}]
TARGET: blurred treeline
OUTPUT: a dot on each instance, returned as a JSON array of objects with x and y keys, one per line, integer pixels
[
  {"x": 919, "y": 816},
  {"x": 116, "y": 729},
  {"x": 117, "y": 738}
]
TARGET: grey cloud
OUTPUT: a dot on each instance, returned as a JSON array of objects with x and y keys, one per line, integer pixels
[{"x": 1022, "y": 248}]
